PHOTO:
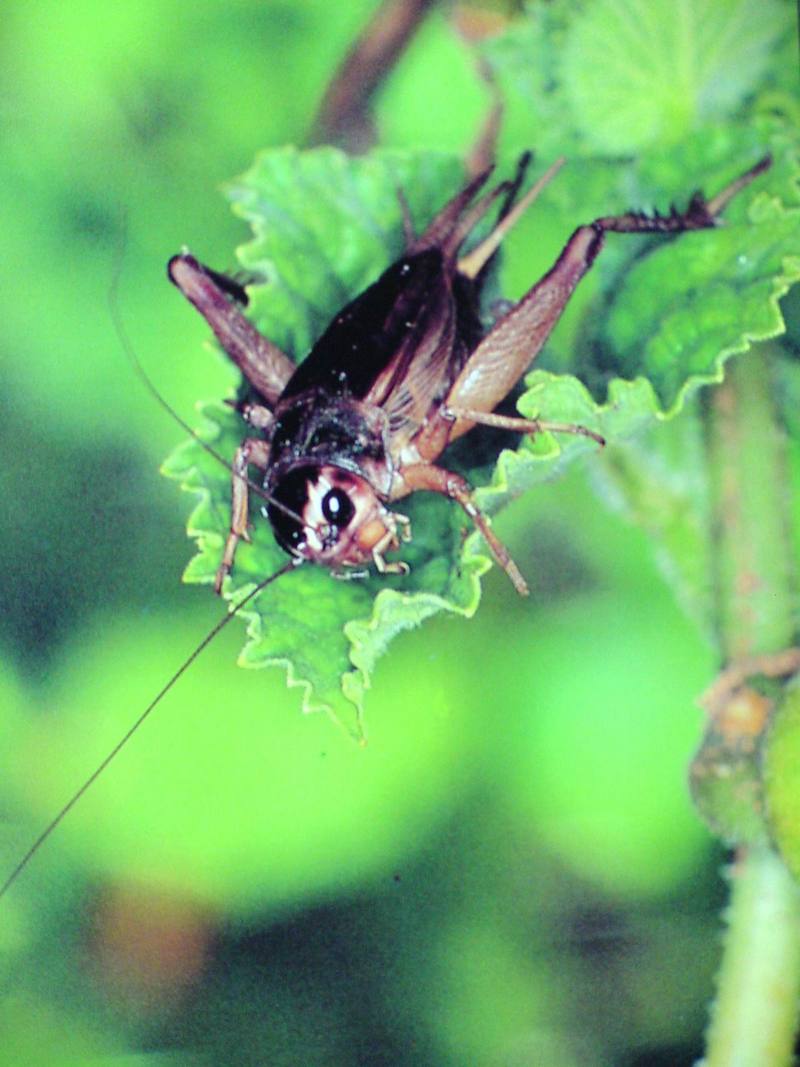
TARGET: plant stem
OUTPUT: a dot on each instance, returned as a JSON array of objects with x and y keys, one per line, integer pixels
[
  {"x": 755, "y": 1014},
  {"x": 755, "y": 566},
  {"x": 344, "y": 115},
  {"x": 754, "y": 1018}
]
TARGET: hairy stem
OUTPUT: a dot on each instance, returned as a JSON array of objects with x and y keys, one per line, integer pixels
[
  {"x": 754, "y": 1018},
  {"x": 344, "y": 114},
  {"x": 755, "y": 1014},
  {"x": 755, "y": 579}
]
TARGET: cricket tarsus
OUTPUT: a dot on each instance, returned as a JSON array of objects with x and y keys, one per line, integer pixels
[
  {"x": 719, "y": 202},
  {"x": 56, "y": 821}
]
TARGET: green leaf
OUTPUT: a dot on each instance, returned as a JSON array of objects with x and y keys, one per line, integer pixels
[
  {"x": 325, "y": 227},
  {"x": 667, "y": 66},
  {"x": 616, "y": 77},
  {"x": 526, "y": 66},
  {"x": 675, "y": 316}
]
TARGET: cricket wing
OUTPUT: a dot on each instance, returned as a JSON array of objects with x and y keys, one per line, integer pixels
[{"x": 392, "y": 347}]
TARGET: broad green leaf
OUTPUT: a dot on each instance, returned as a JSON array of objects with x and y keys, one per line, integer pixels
[
  {"x": 702, "y": 299},
  {"x": 618, "y": 77},
  {"x": 526, "y": 64},
  {"x": 677, "y": 64},
  {"x": 675, "y": 314}
]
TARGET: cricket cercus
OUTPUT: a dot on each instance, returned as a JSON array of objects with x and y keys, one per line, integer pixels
[{"x": 399, "y": 374}]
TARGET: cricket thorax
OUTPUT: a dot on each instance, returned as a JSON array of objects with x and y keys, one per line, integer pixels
[
  {"x": 318, "y": 426},
  {"x": 328, "y": 471}
]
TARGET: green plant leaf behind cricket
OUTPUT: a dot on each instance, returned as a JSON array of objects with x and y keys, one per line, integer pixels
[
  {"x": 708, "y": 299},
  {"x": 678, "y": 64},
  {"x": 656, "y": 319},
  {"x": 669, "y": 68},
  {"x": 695, "y": 308}
]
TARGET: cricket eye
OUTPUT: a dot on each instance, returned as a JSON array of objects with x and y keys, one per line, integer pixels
[
  {"x": 285, "y": 509},
  {"x": 288, "y": 531},
  {"x": 338, "y": 508}
]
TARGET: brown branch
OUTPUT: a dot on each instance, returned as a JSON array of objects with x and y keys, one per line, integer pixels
[{"x": 344, "y": 117}]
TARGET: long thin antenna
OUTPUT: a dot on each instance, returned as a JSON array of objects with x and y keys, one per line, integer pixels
[{"x": 56, "y": 821}]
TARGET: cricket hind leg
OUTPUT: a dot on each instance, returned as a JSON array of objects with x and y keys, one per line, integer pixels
[
  {"x": 502, "y": 357},
  {"x": 216, "y": 297}
]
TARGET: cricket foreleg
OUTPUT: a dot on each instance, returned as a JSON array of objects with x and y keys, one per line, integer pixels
[
  {"x": 382, "y": 565},
  {"x": 437, "y": 480},
  {"x": 252, "y": 450}
]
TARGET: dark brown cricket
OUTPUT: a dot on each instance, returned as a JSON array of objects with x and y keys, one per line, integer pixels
[{"x": 399, "y": 374}]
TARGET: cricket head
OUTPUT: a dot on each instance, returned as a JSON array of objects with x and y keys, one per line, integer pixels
[{"x": 329, "y": 515}]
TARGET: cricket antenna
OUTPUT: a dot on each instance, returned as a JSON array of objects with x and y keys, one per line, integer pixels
[{"x": 57, "y": 819}]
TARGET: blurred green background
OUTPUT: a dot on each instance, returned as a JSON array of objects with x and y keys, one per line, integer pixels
[{"x": 510, "y": 872}]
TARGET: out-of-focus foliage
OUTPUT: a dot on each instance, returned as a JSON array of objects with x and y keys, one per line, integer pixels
[
  {"x": 510, "y": 870},
  {"x": 676, "y": 66}
]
